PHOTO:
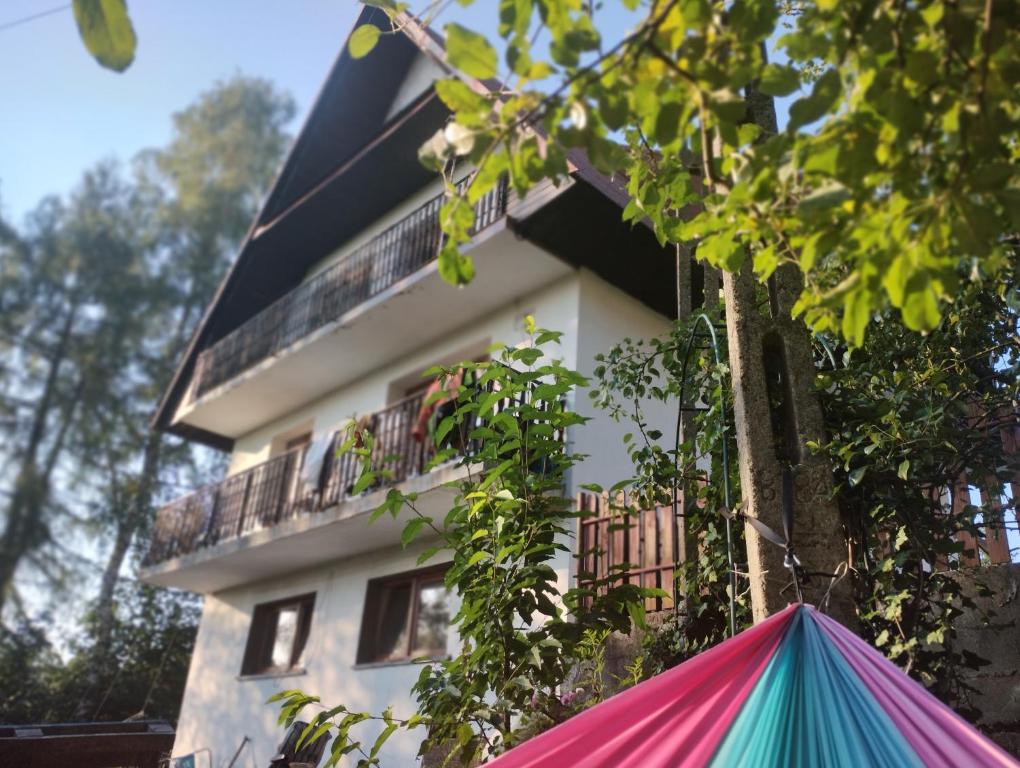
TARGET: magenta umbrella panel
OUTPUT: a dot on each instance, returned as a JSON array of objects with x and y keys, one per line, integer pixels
[{"x": 798, "y": 691}]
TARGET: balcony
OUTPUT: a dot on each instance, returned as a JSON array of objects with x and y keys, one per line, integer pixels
[
  {"x": 393, "y": 255},
  {"x": 382, "y": 302},
  {"x": 269, "y": 519}
]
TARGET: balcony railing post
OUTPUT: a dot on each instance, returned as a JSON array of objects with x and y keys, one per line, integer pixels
[{"x": 245, "y": 499}]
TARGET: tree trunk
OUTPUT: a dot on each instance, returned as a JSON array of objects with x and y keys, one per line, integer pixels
[
  {"x": 126, "y": 529},
  {"x": 24, "y": 520}
]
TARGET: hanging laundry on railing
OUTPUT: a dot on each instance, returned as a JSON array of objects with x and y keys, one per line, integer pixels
[
  {"x": 315, "y": 457},
  {"x": 434, "y": 409}
]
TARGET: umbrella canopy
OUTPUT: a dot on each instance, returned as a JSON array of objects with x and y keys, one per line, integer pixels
[{"x": 798, "y": 690}]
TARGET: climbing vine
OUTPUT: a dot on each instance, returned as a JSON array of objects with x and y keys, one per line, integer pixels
[
  {"x": 680, "y": 369},
  {"x": 507, "y": 535},
  {"x": 914, "y": 420}
]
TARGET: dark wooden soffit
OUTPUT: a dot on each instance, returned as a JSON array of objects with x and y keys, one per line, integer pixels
[
  {"x": 347, "y": 120},
  {"x": 347, "y": 114},
  {"x": 140, "y": 744},
  {"x": 583, "y": 226}
]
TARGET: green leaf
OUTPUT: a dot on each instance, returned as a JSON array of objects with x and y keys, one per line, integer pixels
[
  {"x": 903, "y": 469},
  {"x": 105, "y": 28},
  {"x": 412, "y": 528},
  {"x": 470, "y": 52},
  {"x": 459, "y": 97},
  {"x": 365, "y": 479},
  {"x": 477, "y": 557},
  {"x": 363, "y": 40},
  {"x": 667, "y": 122},
  {"x": 920, "y": 303},
  {"x": 454, "y": 267},
  {"x": 823, "y": 96},
  {"x": 856, "y": 315},
  {"x": 427, "y": 555},
  {"x": 779, "y": 80},
  {"x": 382, "y": 738},
  {"x": 495, "y": 165},
  {"x": 857, "y": 475},
  {"x": 722, "y": 251}
]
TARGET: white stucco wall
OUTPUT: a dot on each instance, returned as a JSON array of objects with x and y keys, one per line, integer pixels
[
  {"x": 555, "y": 307},
  {"x": 420, "y": 76},
  {"x": 220, "y": 708},
  {"x": 607, "y": 316}
]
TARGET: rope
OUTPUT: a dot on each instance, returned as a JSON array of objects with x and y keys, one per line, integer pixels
[{"x": 840, "y": 573}]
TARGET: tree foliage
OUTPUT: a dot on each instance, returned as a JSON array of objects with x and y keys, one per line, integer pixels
[
  {"x": 894, "y": 176},
  {"x": 680, "y": 370},
  {"x": 915, "y": 420},
  {"x": 98, "y": 299},
  {"x": 142, "y": 671}
]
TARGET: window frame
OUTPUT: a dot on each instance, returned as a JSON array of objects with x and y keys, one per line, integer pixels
[
  {"x": 258, "y": 649},
  {"x": 377, "y": 593}
]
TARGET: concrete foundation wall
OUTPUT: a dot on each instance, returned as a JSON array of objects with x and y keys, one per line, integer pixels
[{"x": 997, "y": 640}]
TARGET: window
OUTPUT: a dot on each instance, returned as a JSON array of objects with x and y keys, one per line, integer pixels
[
  {"x": 276, "y": 640},
  {"x": 298, "y": 442},
  {"x": 406, "y": 617}
]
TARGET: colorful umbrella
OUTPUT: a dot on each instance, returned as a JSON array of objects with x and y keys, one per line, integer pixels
[{"x": 798, "y": 690}]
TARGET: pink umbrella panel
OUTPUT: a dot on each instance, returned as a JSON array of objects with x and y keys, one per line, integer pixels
[{"x": 798, "y": 690}]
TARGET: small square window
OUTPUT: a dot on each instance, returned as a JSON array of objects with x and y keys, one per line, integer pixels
[
  {"x": 278, "y": 634},
  {"x": 406, "y": 617}
]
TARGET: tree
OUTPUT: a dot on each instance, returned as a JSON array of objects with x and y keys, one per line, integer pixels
[
  {"x": 894, "y": 174},
  {"x": 193, "y": 201},
  {"x": 892, "y": 183},
  {"x": 146, "y": 665},
  {"x": 98, "y": 301},
  {"x": 61, "y": 276}
]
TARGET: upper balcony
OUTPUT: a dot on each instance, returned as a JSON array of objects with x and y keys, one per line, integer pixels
[
  {"x": 277, "y": 517},
  {"x": 381, "y": 300},
  {"x": 396, "y": 253}
]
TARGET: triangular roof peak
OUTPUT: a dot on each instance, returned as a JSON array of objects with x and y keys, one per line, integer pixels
[{"x": 369, "y": 119}]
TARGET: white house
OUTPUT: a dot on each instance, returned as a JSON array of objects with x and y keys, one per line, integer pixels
[{"x": 332, "y": 310}]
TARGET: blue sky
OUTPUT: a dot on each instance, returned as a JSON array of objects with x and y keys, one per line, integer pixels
[{"x": 61, "y": 113}]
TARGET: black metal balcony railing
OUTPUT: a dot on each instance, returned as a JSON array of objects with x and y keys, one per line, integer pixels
[
  {"x": 394, "y": 254},
  {"x": 274, "y": 491}
]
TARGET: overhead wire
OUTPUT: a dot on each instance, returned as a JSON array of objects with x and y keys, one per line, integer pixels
[{"x": 33, "y": 17}]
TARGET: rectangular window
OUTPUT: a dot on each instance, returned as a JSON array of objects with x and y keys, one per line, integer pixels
[
  {"x": 278, "y": 634},
  {"x": 406, "y": 617}
]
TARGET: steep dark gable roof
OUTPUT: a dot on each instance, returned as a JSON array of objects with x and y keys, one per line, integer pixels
[
  {"x": 346, "y": 122},
  {"x": 350, "y": 110},
  {"x": 349, "y": 165}
]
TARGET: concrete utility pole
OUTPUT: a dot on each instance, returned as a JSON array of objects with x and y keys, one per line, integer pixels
[{"x": 776, "y": 413}]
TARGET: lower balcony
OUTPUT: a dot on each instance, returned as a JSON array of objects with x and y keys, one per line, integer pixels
[{"x": 285, "y": 514}]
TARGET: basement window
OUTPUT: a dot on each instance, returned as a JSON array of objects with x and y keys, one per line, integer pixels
[
  {"x": 278, "y": 634},
  {"x": 406, "y": 617}
]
